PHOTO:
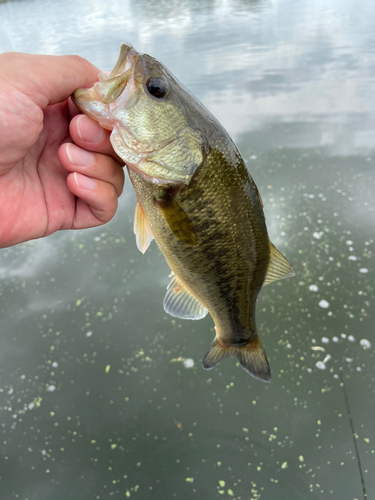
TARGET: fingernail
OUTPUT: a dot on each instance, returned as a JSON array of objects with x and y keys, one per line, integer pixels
[
  {"x": 84, "y": 182},
  {"x": 78, "y": 156},
  {"x": 88, "y": 130}
]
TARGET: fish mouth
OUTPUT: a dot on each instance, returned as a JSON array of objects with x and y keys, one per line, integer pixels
[{"x": 98, "y": 101}]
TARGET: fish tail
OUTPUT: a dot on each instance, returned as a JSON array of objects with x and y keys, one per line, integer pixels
[{"x": 251, "y": 357}]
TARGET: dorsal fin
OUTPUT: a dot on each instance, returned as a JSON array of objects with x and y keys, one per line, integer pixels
[
  {"x": 179, "y": 302},
  {"x": 278, "y": 267},
  {"x": 142, "y": 230}
]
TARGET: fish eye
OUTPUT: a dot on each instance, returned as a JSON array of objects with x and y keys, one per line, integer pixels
[{"x": 156, "y": 87}]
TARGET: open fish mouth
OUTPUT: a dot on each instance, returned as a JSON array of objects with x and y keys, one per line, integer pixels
[{"x": 103, "y": 98}]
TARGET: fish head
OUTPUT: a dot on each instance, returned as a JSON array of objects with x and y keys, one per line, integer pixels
[{"x": 149, "y": 113}]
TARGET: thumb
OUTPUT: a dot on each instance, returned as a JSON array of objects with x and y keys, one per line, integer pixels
[{"x": 47, "y": 79}]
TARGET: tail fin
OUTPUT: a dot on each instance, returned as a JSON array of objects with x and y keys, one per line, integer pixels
[{"x": 251, "y": 357}]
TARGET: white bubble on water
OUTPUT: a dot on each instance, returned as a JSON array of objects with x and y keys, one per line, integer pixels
[
  {"x": 313, "y": 288},
  {"x": 320, "y": 365},
  {"x": 335, "y": 339},
  {"x": 349, "y": 242},
  {"x": 366, "y": 344},
  {"x": 189, "y": 363},
  {"x": 317, "y": 235},
  {"x": 323, "y": 303},
  {"x": 351, "y": 338},
  {"x": 51, "y": 388},
  {"x": 363, "y": 270},
  {"x": 325, "y": 340},
  {"x": 352, "y": 257},
  {"x": 88, "y": 334}
]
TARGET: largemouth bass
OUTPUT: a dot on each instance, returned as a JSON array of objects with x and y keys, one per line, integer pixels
[{"x": 195, "y": 197}]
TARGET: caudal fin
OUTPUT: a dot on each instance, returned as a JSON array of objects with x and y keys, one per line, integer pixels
[{"x": 251, "y": 357}]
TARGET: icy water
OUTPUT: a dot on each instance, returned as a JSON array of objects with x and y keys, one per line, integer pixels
[{"x": 102, "y": 395}]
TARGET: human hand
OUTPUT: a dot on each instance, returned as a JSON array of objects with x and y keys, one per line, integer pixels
[{"x": 57, "y": 167}]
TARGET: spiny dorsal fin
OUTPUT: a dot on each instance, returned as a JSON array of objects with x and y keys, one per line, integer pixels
[
  {"x": 179, "y": 302},
  {"x": 278, "y": 267},
  {"x": 142, "y": 230}
]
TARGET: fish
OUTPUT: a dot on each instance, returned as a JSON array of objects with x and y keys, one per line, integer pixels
[{"x": 195, "y": 197}]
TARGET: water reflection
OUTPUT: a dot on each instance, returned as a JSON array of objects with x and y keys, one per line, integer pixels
[{"x": 88, "y": 393}]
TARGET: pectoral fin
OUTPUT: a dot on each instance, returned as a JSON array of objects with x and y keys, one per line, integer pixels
[
  {"x": 179, "y": 302},
  {"x": 142, "y": 230},
  {"x": 177, "y": 219},
  {"x": 278, "y": 267}
]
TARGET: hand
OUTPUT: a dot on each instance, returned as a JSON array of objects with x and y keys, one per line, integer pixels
[{"x": 47, "y": 181}]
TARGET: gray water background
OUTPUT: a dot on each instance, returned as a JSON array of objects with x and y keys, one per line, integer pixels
[{"x": 96, "y": 398}]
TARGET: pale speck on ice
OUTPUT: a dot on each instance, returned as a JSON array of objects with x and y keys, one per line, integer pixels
[
  {"x": 352, "y": 257},
  {"x": 313, "y": 288},
  {"x": 363, "y": 270},
  {"x": 325, "y": 340},
  {"x": 323, "y": 303},
  {"x": 320, "y": 365},
  {"x": 366, "y": 344},
  {"x": 189, "y": 363},
  {"x": 88, "y": 334},
  {"x": 51, "y": 388}
]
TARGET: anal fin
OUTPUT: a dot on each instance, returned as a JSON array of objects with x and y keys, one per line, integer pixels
[
  {"x": 142, "y": 230},
  {"x": 179, "y": 302}
]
